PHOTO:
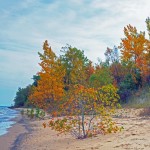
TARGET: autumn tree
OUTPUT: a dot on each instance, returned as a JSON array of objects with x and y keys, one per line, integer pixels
[
  {"x": 89, "y": 70},
  {"x": 50, "y": 87},
  {"x": 134, "y": 48},
  {"x": 87, "y": 112}
]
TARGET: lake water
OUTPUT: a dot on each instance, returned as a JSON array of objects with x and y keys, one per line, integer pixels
[{"x": 6, "y": 116}]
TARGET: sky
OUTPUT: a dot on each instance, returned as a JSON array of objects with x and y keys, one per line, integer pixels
[{"x": 90, "y": 25}]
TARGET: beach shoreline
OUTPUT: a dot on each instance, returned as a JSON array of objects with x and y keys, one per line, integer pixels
[{"x": 29, "y": 134}]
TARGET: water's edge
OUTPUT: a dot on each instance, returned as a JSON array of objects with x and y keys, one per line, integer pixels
[{"x": 7, "y": 119}]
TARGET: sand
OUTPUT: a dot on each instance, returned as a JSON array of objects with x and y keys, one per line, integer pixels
[
  {"x": 14, "y": 135},
  {"x": 135, "y": 136}
]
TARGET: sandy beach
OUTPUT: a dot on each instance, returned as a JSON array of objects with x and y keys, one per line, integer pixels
[{"x": 29, "y": 134}]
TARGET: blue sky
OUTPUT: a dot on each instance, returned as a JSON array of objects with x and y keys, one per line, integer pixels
[{"x": 90, "y": 25}]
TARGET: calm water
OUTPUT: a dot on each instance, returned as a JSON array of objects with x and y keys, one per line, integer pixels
[{"x": 6, "y": 115}]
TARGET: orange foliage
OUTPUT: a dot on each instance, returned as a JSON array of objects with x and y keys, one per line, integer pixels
[
  {"x": 89, "y": 70},
  {"x": 134, "y": 47},
  {"x": 50, "y": 89}
]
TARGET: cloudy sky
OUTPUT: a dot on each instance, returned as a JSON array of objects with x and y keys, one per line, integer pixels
[{"x": 90, "y": 25}]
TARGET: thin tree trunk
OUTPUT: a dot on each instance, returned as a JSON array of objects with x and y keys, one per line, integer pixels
[
  {"x": 83, "y": 129},
  {"x": 79, "y": 126}
]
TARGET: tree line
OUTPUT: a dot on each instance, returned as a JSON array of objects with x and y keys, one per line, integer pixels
[{"x": 127, "y": 71}]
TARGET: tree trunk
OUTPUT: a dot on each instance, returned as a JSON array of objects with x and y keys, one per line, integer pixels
[{"x": 83, "y": 129}]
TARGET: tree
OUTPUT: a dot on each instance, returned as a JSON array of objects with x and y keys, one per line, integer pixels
[
  {"x": 101, "y": 77},
  {"x": 87, "y": 112},
  {"x": 75, "y": 64},
  {"x": 89, "y": 70},
  {"x": 127, "y": 85},
  {"x": 112, "y": 59},
  {"x": 148, "y": 26},
  {"x": 35, "y": 79},
  {"x": 134, "y": 48},
  {"x": 112, "y": 55},
  {"x": 148, "y": 50},
  {"x": 22, "y": 95},
  {"x": 50, "y": 86}
]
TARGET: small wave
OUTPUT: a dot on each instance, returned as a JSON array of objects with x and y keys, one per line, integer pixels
[{"x": 6, "y": 115}]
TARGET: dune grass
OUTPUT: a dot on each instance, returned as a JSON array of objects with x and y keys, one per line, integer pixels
[{"x": 139, "y": 99}]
